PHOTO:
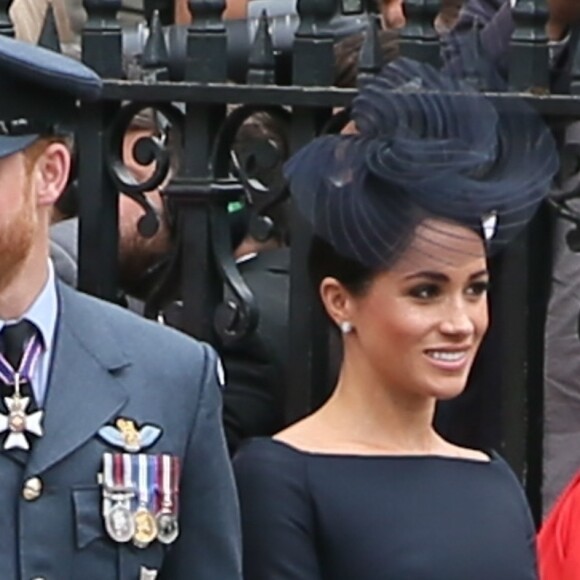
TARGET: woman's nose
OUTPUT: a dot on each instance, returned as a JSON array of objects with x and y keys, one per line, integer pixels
[{"x": 457, "y": 321}]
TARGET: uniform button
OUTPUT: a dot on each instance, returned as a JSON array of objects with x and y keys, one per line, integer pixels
[
  {"x": 38, "y": 578},
  {"x": 32, "y": 490}
]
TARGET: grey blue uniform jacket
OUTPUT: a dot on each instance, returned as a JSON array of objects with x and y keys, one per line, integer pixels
[{"x": 109, "y": 363}]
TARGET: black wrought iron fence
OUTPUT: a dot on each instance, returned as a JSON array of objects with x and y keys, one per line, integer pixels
[{"x": 188, "y": 81}]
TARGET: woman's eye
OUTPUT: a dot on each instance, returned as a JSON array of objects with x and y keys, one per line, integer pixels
[
  {"x": 425, "y": 291},
  {"x": 478, "y": 288}
]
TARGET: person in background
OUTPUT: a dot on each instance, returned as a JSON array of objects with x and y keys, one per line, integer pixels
[
  {"x": 559, "y": 537},
  {"x": 27, "y": 17},
  {"x": 347, "y": 55},
  {"x": 235, "y": 10},
  {"x": 495, "y": 27},
  {"x": 393, "y": 14},
  {"x": 256, "y": 366},
  {"x": 137, "y": 253}
]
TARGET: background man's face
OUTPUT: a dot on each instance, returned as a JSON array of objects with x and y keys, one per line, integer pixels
[{"x": 137, "y": 253}]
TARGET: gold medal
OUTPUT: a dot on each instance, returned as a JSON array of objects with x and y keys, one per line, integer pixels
[{"x": 145, "y": 527}]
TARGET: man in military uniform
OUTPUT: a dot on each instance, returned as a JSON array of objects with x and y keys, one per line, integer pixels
[{"x": 112, "y": 458}]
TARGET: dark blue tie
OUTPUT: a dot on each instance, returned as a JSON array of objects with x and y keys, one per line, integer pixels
[{"x": 15, "y": 337}]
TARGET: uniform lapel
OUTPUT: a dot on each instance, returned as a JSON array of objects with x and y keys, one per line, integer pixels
[{"x": 84, "y": 391}]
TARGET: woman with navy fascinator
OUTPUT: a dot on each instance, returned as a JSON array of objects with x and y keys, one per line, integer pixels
[{"x": 405, "y": 214}]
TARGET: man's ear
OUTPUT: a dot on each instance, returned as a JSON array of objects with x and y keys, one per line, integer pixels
[{"x": 51, "y": 173}]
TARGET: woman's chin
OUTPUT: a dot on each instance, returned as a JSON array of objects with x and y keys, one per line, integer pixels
[{"x": 448, "y": 389}]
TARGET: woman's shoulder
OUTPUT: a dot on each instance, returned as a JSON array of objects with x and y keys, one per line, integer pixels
[
  {"x": 478, "y": 455},
  {"x": 501, "y": 481},
  {"x": 469, "y": 453},
  {"x": 264, "y": 449},
  {"x": 266, "y": 468},
  {"x": 267, "y": 456}
]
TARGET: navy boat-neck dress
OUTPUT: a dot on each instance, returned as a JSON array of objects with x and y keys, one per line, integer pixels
[{"x": 310, "y": 516}]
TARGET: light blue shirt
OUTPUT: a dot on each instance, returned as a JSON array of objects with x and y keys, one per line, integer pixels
[{"x": 43, "y": 313}]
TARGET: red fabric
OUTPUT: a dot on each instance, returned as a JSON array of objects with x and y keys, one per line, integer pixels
[{"x": 559, "y": 537}]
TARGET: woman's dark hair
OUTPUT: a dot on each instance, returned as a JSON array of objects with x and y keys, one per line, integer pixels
[{"x": 324, "y": 261}]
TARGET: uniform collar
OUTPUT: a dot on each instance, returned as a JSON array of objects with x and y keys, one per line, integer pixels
[{"x": 43, "y": 312}]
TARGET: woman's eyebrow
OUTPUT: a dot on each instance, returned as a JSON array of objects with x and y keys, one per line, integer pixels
[
  {"x": 441, "y": 277},
  {"x": 479, "y": 274},
  {"x": 435, "y": 276}
]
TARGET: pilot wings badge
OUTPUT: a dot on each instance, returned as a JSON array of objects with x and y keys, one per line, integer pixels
[{"x": 127, "y": 436}]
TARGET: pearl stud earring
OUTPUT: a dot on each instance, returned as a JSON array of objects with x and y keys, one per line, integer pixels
[{"x": 345, "y": 327}]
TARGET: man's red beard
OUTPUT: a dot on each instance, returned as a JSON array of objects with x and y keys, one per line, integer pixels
[{"x": 16, "y": 239}]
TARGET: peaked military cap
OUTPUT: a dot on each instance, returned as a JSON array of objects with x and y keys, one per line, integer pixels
[{"x": 39, "y": 93}]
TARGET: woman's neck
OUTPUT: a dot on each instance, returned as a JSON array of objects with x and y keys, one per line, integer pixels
[{"x": 373, "y": 415}]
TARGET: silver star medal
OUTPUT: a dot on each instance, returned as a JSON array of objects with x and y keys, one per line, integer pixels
[
  {"x": 147, "y": 574},
  {"x": 18, "y": 422}
]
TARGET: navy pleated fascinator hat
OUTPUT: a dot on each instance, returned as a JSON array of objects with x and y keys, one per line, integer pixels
[{"x": 428, "y": 146}]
